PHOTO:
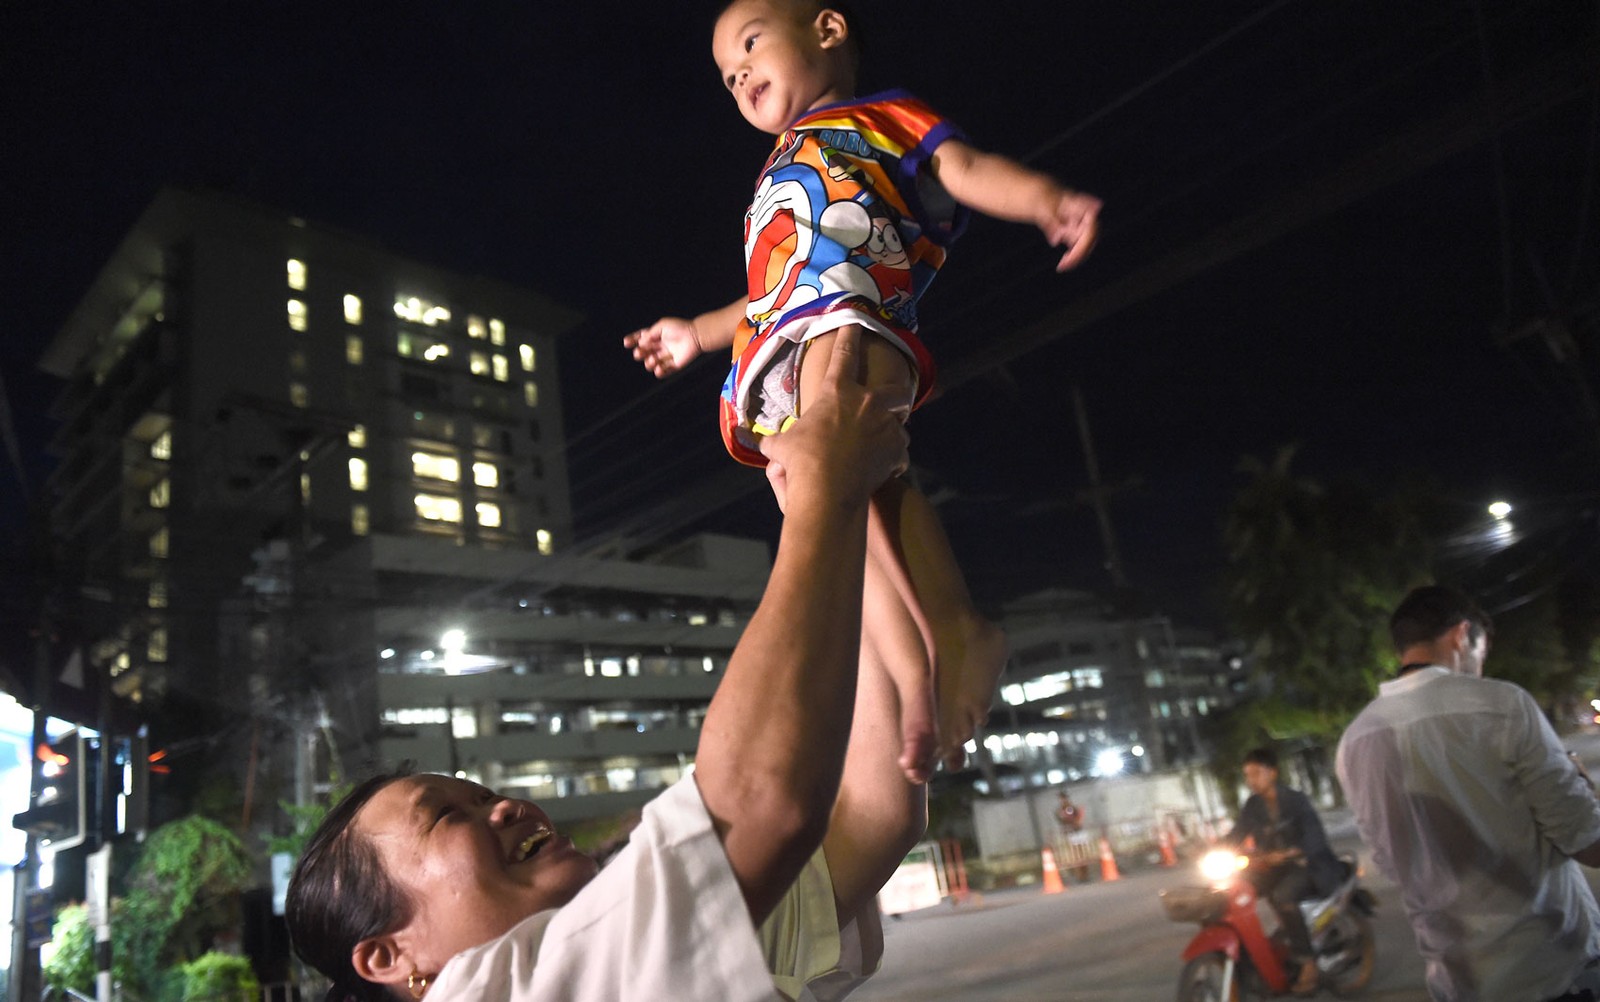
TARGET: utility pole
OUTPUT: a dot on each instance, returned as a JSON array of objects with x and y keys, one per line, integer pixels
[{"x": 1132, "y": 643}]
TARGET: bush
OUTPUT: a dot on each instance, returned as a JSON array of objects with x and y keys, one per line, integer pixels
[{"x": 219, "y": 977}]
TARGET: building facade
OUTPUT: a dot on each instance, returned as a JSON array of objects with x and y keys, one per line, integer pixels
[{"x": 1089, "y": 693}]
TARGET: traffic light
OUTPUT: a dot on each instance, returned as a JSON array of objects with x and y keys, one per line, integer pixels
[{"x": 61, "y": 793}]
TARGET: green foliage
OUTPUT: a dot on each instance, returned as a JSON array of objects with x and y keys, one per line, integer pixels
[
  {"x": 183, "y": 890},
  {"x": 219, "y": 977},
  {"x": 1313, "y": 573},
  {"x": 73, "y": 964},
  {"x": 303, "y": 822}
]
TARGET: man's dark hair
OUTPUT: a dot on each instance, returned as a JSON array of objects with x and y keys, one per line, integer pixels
[
  {"x": 1261, "y": 756},
  {"x": 340, "y": 894},
  {"x": 1430, "y": 612}
]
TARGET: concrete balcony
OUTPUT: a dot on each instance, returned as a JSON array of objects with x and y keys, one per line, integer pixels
[{"x": 502, "y": 686}]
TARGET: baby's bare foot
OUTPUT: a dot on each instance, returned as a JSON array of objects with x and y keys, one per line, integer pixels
[
  {"x": 919, "y": 735},
  {"x": 970, "y": 665}
]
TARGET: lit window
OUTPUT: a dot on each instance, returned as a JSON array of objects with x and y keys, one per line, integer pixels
[
  {"x": 161, "y": 448},
  {"x": 497, "y": 332},
  {"x": 297, "y": 314},
  {"x": 158, "y": 544},
  {"x": 478, "y": 363},
  {"x": 353, "y": 350},
  {"x": 546, "y": 543},
  {"x": 421, "y": 311},
  {"x": 161, "y": 494},
  {"x": 358, "y": 437},
  {"x": 158, "y": 594},
  {"x": 488, "y": 514},
  {"x": 305, "y": 488},
  {"x": 435, "y": 467},
  {"x": 525, "y": 352},
  {"x": 297, "y": 274},
  {"x": 486, "y": 474},
  {"x": 156, "y": 649},
  {"x": 475, "y": 328},
  {"x": 352, "y": 309},
  {"x": 403, "y": 346},
  {"x": 298, "y": 395},
  {"x": 358, "y": 519},
  {"x": 502, "y": 371},
  {"x": 436, "y": 508},
  {"x": 435, "y": 351},
  {"x": 530, "y": 394},
  {"x": 358, "y": 473}
]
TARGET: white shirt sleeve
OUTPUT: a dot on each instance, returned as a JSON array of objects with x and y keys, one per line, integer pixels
[
  {"x": 1563, "y": 806},
  {"x": 664, "y": 920}
]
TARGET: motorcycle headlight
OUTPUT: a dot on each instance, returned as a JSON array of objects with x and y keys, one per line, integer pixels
[{"x": 1219, "y": 865}]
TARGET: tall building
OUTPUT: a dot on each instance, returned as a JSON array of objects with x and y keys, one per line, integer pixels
[{"x": 248, "y": 397}]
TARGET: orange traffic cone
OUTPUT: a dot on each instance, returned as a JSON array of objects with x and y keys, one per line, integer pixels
[
  {"x": 1168, "y": 856},
  {"x": 1052, "y": 876},
  {"x": 1108, "y": 862}
]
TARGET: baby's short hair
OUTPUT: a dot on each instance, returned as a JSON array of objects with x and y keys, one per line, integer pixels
[{"x": 808, "y": 10}]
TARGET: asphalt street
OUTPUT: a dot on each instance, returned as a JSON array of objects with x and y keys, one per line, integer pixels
[{"x": 1104, "y": 942}]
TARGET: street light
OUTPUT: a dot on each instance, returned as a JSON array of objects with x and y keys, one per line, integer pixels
[
  {"x": 1500, "y": 510},
  {"x": 1108, "y": 762}
]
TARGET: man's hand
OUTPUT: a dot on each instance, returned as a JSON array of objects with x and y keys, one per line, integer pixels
[
  {"x": 846, "y": 445},
  {"x": 666, "y": 346},
  {"x": 1072, "y": 221}
]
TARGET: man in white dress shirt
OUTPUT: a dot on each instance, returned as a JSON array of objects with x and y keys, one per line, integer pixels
[{"x": 1470, "y": 804}]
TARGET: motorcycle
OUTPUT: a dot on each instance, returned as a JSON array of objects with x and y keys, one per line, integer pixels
[{"x": 1234, "y": 955}]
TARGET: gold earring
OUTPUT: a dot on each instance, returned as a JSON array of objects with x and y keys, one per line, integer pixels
[{"x": 417, "y": 985}]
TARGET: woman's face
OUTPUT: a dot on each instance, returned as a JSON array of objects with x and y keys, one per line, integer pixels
[{"x": 472, "y": 863}]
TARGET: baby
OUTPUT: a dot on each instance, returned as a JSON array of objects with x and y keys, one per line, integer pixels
[{"x": 849, "y": 224}]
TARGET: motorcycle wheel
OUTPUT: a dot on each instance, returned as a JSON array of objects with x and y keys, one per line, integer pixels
[
  {"x": 1360, "y": 953},
  {"x": 1201, "y": 980}
]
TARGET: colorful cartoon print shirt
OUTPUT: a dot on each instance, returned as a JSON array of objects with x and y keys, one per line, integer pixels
[{"x": 848, "y": 226}]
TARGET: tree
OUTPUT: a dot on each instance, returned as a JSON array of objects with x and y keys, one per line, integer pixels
[
  {"x": 1313, "y": 573},
  {"x": 184, "y": 889}
]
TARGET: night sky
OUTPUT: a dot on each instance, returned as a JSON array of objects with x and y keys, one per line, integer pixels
[{"x": 1287, "y": 253}]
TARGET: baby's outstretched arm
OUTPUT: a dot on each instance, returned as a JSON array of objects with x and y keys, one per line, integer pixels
[
  {"x": 671, "y": 343},
  {"x": 999, "y": 186}
]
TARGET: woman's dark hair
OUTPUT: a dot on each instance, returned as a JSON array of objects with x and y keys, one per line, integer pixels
[{"x": 340, "y": 895}]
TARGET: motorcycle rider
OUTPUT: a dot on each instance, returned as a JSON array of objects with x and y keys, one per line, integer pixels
[{"x": 1291, "y": 859}]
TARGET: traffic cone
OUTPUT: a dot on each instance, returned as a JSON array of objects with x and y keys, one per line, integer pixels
[
  {"x": 1108, "y": 862},
  {"x": 1168, "y": 856},
  {"x": 1052, "y": 876}
]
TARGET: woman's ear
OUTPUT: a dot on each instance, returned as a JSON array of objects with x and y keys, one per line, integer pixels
[{"x": 381, "y": 959}]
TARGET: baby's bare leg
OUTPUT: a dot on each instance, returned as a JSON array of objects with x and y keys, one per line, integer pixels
[
  {"x": 891, "y": 616},
  {"x": 971, "y": 651}
]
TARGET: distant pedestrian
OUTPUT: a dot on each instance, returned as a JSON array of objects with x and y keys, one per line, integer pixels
[
  {"x": 1079, "y": 847},
  {"x": 1469, "y": 803}
]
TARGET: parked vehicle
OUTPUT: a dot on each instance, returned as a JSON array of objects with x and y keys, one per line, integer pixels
[{"x": 1241, "y": 951}]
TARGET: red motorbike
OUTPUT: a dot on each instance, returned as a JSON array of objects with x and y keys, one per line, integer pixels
[{"x": 1242, "y": 952}]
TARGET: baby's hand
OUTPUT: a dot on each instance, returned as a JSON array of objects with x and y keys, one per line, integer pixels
[
  {"x": 665, "y": 346},
  {"x": 1074, "y": 222}
]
